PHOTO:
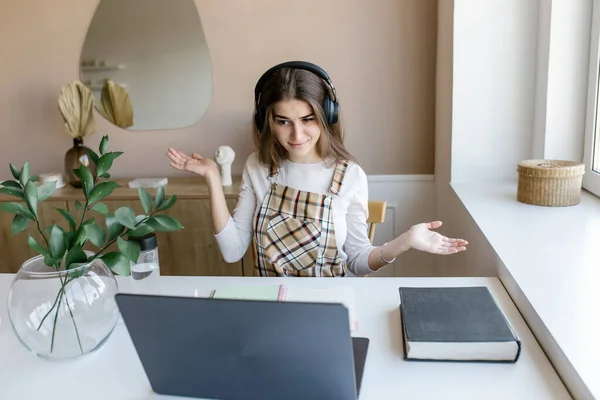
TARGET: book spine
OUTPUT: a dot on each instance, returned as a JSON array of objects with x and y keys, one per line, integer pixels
[{"x": 282, "y": 293}]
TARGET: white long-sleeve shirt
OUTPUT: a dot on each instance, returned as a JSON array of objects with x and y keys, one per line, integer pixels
[{"x": 350, "y": 208}]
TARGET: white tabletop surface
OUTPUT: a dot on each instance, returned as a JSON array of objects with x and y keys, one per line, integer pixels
[
  {"x": 553, "y": 255},
  {"x": 114, "y": 372}
]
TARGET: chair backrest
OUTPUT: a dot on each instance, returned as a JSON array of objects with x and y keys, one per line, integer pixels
[{"x": 376, "y": 216}]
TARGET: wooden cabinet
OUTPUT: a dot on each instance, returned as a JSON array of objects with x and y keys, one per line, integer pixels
[
  {"x": 14, "y": 250},
  {"x": 190, "y": 251}
]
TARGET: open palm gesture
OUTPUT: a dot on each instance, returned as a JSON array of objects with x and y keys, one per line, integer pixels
[
  {"x": 423, "y": 238},
  {"x": 196, "y": 163}
]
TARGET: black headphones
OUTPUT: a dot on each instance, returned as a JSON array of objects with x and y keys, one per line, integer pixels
[{"x": 330, "y": 106}]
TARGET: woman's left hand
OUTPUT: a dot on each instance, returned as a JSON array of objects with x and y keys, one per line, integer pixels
[{"x": 421, "y": 237}]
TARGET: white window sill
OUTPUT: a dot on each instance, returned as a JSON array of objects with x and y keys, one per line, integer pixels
[{"x": 552, "y": 261}]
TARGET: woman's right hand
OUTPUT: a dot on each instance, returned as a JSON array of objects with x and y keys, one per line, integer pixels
[{"x": 197, "y": 164}]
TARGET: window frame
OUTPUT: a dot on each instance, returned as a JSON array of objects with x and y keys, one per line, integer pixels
[{"x": 591, "y": 179}]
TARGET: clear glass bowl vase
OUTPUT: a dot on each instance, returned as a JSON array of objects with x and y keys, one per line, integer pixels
[{"x": 63, "y": 315}]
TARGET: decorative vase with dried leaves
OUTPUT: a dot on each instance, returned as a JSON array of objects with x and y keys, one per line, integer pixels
[{"x": 76, "y": 105}]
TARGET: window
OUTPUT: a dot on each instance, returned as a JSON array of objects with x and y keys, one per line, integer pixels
[{"x": 591, "y": 157}]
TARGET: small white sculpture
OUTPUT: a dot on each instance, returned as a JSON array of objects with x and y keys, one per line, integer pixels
[{"x": 224, "y": 156}]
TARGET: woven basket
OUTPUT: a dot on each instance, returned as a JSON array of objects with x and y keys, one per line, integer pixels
[{"x": 551, "y": 183}]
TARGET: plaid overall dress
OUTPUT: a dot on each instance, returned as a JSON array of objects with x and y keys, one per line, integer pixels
[{"x": 294, "y": 232}]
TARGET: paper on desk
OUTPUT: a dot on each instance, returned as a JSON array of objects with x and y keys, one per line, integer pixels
[{"x": 337, "y": 294}]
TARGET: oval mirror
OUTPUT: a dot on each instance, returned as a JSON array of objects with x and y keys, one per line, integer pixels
[{"x": 147, "y": 63}]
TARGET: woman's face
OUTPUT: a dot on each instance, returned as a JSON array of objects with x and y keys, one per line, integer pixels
[{"x": 297, "y": 130}]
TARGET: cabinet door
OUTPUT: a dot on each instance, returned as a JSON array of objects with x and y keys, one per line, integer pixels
[
  {"x": 14, "y": 250},
  {"x": 190, "y": 251}
]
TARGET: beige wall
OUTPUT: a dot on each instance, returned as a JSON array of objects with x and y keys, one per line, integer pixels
[{"x": 380, "y": 54}]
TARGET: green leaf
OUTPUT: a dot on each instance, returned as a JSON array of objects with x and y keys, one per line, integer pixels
[
  {"x": 80, "y": 237},
  {"x": 116, "y": 154},
  {"x": 167, "y": 204},
  {"x": 31, "y": 197},
  {"x": 96, "y": 235},
  {"x": 19, "y": 224},
  {"x": 69, "y": 218},
  {"x": 117, "y": 262},
  {"x": 25, "y": 174},
  {"x": 100, "y": 208},
  {"x": 70, "y": 239},
  {"x": 14, "y": 171},
  {"x": 126, "y": 217},
  {"x": 113, "y": 226},
  {"x": 89, "y": 221},
  {"x": 75, "y": 271},
  {"x": 141, "y": 230},
  {"x": 130, "y": 249},
  {"x": 104, "y": 144},
  {"x": 34, "y": 245},
  {"x": 87, "y": 180},
  {"x": 58, "y": 242},
  {"x": 104, "y": 164},
  {"x": 78, "y": 205},
  {"x": 45, "y": 190},
  {"x": 16, "y": 208},
  {"x": 146, "y": 200},
  {"x": 140, "y": 218},
  {"x": 104, "y": 175},
  {"x": 102, "y": 190},
  {"x": 12, "y": 191},
  {"x": 164, "y": 223},
  {"x": 12, "y": 184},
  {"x": 92, "y": 154},
  {"x": 160, "y": 196},
  {"x": 51, "y": 261},
  {"x": 75, "y": 255}
]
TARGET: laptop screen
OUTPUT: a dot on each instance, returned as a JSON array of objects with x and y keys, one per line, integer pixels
[{"x": 242, "y": 349}]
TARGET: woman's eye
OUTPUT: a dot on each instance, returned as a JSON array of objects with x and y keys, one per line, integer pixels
[
  {"x": 282, "y": 122},
  {"x": 307, "y": 120}
]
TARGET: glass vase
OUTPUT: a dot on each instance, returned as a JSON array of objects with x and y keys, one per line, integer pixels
[{"x": 63, "y": 315}]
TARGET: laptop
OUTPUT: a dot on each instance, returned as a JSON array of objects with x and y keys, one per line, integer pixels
[{"x": 244, "y": 349}]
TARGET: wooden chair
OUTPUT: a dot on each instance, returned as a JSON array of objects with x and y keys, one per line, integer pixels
[{"x": 376, "y": 216}]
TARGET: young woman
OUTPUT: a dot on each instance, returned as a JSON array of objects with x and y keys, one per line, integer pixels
[{"x": 303, "y": 198}]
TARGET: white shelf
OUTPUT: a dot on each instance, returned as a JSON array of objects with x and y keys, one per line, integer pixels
[
  {"x": 99, "y": 87},
  {"x": 90, "y": 68}
]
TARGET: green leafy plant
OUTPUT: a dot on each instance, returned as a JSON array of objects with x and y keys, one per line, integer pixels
[{"x": 63, "y": 249}]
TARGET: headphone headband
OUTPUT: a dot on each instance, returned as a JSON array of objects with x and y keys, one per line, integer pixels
[{"x": 330, "y": 106}]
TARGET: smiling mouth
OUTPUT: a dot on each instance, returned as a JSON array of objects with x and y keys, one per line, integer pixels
[{"x": 296, "y": 144}]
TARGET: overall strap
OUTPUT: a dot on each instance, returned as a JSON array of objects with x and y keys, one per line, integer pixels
[{"x": 338, "y": 177}]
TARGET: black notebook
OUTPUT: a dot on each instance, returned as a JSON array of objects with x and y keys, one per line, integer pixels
[{"x": 455, "y": 324}]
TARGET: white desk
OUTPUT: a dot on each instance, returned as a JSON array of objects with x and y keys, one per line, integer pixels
[{"x": 115, "y": 373}]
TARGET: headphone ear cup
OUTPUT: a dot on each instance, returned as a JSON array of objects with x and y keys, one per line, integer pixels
[
  {"x": 330, "y": 110},
  {"x": 334, "y": 114}
]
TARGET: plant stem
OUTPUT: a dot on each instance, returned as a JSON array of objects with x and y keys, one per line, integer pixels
[
  {"x": 74, "y": 324},
  {"x": 37, "y": 222},
  {"x": 53, "y": 305},
  {"x": 56, "y": 305},
  {"x": 84, "y": 212},
  {"x": 61, "y": 291}
]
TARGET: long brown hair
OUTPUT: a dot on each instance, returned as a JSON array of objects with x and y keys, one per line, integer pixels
[{"x": 296, "y": 84}]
